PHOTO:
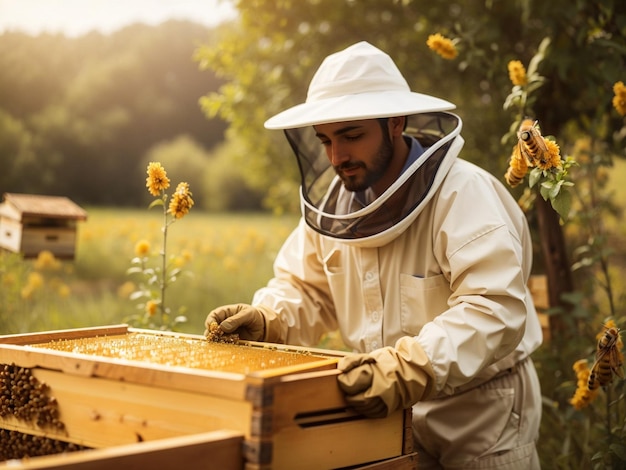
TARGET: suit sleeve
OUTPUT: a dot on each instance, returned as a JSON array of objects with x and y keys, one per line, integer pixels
[{"x": 299, "y": 291}]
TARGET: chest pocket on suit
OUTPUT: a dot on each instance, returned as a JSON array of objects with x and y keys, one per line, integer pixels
[
  {"x": 422, "y": 299},
  {"x": 336, "y": 277},
  {"x": 332, "y": 263}
]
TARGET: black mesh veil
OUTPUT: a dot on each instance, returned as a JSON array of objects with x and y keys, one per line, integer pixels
[{"x": 326, "y": 203}]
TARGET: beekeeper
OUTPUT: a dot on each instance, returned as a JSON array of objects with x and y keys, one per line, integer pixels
[{"x": 419, "y": 258}]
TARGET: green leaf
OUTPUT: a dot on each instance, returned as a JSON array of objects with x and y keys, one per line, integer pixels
[
  {"x": 554, "y": 191},
  {"x": 156, "y": 202},
  {"x": 562, "y": 204},
  {"x": 533, "y": 66},
  {"x": 138, "y": 295},
  {"x": 583, "y": 263},
  {"x": 619, "y": 450},
  {"x": 536, "y": 83},
  {"x": 534, "y": 177},
  {"x": 544, "y": 189},
  {"x": 514, "y": 99}
]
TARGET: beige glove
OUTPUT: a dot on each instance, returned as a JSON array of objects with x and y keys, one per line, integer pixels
[
  {"x": 378, "y": 383},
  {"x": 251, "y": 323}
]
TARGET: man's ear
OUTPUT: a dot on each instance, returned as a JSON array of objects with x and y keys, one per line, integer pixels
[{"x": 396, "y": 125}]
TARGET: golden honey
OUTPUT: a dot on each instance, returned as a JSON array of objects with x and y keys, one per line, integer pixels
[{"x": 183, "y": 352}]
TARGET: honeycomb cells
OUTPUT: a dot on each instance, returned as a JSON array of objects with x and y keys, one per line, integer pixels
[{"x": 182, "y": 352}]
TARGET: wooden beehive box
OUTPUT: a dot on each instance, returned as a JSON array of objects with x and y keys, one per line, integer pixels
[
  {"x": 282, "y": 401},
  {"x": 32, "y": 223}
]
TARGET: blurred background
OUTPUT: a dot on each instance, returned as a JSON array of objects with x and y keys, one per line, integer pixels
[{"x": 91, "y": 92}]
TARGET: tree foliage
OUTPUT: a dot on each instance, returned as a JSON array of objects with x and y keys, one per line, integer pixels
[
  {"x": 77, "y": 115},
  {"x": 268, "y": 57}
]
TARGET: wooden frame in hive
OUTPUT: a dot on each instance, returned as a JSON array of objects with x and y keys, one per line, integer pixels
[{"x": 290, "y": 416}]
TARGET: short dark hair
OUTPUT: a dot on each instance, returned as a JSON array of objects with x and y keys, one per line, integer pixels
[{"x": 383, "y": 122}]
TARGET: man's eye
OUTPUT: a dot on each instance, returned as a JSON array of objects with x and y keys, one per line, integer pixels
[{"x": 353, "y": 137}]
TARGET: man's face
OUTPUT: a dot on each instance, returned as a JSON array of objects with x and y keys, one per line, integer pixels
[{"x": 359, "y": 151}]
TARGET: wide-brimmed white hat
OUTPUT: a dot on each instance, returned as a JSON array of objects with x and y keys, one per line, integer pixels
[{"x": 360, "y": 82}]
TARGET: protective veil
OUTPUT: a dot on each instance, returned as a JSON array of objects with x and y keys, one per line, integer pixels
[{"x": 332, "y": 211}]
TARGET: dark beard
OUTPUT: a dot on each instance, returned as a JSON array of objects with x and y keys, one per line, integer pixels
[{"x": 377, "y": 169}]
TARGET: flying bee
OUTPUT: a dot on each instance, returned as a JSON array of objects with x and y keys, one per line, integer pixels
[
  {"x": 608, "y": 360},
  {"x": 531, "y": 143},
  {"x": 518, "y": 167}
]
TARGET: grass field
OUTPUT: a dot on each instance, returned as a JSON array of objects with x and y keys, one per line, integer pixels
[{"x": 224, "y": 259}]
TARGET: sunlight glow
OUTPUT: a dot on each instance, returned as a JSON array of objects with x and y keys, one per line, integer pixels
[{"x": 77, "y": 17}]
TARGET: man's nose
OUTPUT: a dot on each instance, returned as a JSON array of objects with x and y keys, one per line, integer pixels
[{"x": 338, "y": 154}]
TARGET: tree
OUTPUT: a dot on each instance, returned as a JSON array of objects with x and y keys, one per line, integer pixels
[
  {"x": 16, "y": 152},
  {"x": 79, "y": 114}
]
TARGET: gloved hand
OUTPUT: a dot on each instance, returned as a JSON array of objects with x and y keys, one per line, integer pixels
[
  {"x": 251, "y": 323},
  {"x": 378, "y": 383}
]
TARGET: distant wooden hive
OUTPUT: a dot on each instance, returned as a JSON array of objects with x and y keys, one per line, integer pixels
[{"x": 31, "y": 223}]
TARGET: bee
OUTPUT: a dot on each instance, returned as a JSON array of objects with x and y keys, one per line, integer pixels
[
  {"x": 608, "y": 360},
  {"x": 531, "y": 143},
  {"x": 518, "y": 167}
]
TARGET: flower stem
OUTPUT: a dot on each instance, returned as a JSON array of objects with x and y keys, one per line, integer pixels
[{"x": 164, "y": 264}]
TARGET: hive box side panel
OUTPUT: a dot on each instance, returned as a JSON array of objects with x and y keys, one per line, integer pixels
[
  {"x": 339, "y": 445},
  {"x": 299, "y": 394},
  {"x": 61, "y": 241},
  {"x": 308, "y": 415},
  {"x": 10, "y": 234},
  {"x": 46, "y": 336},
  {"x": 218, "y": 450},
  {"x": 103, "y": 413}
]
